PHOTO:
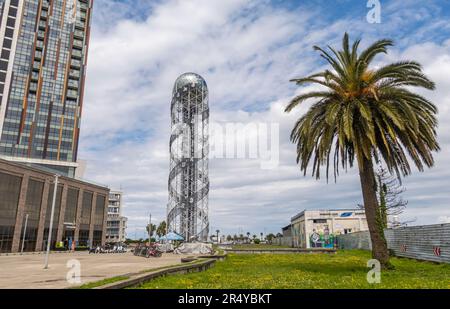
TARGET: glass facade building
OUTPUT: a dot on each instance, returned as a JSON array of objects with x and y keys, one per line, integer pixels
[{"x": 44, "y": 47}]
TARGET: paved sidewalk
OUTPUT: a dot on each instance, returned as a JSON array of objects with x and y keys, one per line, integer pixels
[{"x": 27, "y": 271}]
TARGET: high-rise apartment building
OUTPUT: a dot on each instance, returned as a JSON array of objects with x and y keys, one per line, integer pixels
[
  {"x": 44, "y": 46},
  {"x": 116, "y": 224}
]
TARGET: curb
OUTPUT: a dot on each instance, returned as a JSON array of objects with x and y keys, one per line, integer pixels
[{"x": 204, "y": 264}]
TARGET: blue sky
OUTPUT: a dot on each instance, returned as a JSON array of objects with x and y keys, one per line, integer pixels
[{"x": 247, "y": 51}]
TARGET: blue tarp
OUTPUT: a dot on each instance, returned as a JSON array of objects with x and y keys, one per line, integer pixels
[{"x": 172, "y": 236}]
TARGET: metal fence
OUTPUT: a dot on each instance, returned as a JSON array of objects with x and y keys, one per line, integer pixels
[
  {"x": 283, "y": 241},
  {"x": 427, "y": 242}
]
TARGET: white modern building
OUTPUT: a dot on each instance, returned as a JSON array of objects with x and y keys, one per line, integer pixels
[
  {"x": 319, "y": 228},
  {"x": 116, "y": 224}
]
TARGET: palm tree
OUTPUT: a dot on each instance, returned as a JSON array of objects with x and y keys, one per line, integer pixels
[
  {"x": 150, "y": 228},
  {"x": 161, "y": 230},
  {"x": 270, "y": 237},
  {"x": 370, "y": 114}
]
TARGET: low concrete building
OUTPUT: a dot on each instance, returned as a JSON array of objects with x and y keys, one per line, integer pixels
[
  {"x": 116, "y": 224},
  {"x": 287, "y": 230},
  {"x": 285, "y": 238},
  {"x": 319, "y": 228},
  {"x": 26, "y": 195}
]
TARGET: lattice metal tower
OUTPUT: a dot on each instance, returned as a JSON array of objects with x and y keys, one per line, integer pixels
[{"x": 187, "y": 210}]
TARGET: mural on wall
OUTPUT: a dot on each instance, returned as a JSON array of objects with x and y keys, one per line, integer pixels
[{"x": 322, "y": 239}]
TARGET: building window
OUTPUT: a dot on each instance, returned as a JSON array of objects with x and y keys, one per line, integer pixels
[
  {"x": 86, "y": 208},
  {"x": 71, "y": 206},
  {"x": 9, "y": 191},
  {"x": 97, "y": 241},
  {"x": 319, "y": 221},
  {"x": 83, "y": 238},
  {"x": 99, "y": 212},
  {"x": 33, "y": 210}
]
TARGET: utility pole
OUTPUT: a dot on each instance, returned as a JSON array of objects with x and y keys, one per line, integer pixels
[
  {"x": 49, "y": 239},
  {"x": 150, "y": 230},
  {"x": 24, "y": 232}
]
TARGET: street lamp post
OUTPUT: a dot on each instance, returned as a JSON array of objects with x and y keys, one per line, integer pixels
[
  {"x": 24, "y": 232},
  {"x": 49, "y": 239}
]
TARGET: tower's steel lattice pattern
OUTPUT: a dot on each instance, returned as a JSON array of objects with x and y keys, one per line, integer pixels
[{"x": 187, "y": 210}]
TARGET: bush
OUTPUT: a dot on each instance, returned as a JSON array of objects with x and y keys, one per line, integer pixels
[
  {"x": 59, "y": 249},
  {"x": 256, "y": 241}
]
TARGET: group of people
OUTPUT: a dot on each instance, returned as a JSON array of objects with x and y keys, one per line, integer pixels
[{"x": 69, "y": 244}]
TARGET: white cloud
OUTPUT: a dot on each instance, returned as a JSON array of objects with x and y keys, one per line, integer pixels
[{"x": 444, "y": 219}]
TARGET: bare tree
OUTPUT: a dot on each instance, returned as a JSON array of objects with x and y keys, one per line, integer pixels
[
  {"x": 389, "y": 191},
  {"x": 391, "y": 204}
]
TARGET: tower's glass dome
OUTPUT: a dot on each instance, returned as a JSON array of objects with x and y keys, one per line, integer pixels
[{"x": 189, "y": 80}]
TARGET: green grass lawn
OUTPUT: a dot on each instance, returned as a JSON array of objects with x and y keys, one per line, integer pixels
[
  {"x": 260, "y": 246},
  {"x": 346, "y": 269}
]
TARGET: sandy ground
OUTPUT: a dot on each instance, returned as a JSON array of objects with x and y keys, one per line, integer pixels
[{"x": 27, "y": 271}]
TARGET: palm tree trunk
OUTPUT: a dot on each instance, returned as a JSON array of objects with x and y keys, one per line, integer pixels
[{"x": 368, "y": 185}]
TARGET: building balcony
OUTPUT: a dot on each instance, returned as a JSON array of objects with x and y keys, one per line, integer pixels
[
  {"x": 33, "y": 87},
  {"x": 79, "y": 25},
  {"x": 75, "y": 63},
  {"x": 38, "y": 55},
  {"x": 34, "y": 76},
  {"x": 72, "y": 94},
  {"x": 78, "y": 34},
  {"x": 77, "y": 54},
  {"x": 72, "y": 84},
  {"x": 74, "y": 74},
  {"x": 78, "y": 44},
  {"x": 39, "y": 44}
]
